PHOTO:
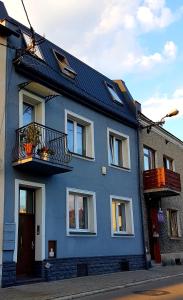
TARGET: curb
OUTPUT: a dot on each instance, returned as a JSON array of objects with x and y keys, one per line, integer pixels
[{"x": 94, "y": 292}]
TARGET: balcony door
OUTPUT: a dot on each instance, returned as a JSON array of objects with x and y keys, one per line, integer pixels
[
  {"x": 31, "y": 108},
  {"x": 26, "y": 232}
]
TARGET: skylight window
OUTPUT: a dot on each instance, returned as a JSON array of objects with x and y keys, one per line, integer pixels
[
  {"x": 113, "y": 93},
  {"x": 64, "y": 65},
  {"x": 33, "y": 50}
]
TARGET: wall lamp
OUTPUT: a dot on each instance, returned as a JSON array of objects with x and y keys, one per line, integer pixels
[{"x": 172, "y": 113}]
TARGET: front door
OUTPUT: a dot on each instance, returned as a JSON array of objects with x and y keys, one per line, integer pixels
[
  {"x": 154, "y": 235},
  {"x": 26, "y": 232}
]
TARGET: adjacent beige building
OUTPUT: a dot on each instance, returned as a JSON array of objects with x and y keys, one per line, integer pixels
[{"x": 161, "y": 159}]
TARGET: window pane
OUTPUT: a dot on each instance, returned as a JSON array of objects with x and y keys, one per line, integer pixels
[
  {"x": 114, "y": 225},
  {"x": 111, "y": 150},
  {"x": 70, "y": 135},
  {"x": 22, "y": 208},
  {"x": 26, "y": 205},
  {"x": 83, "y": 212},
  {"x": 80, "y": 139},
  {"x": 146, "y": 163},
  {"x": 28, "y": 113},
  {"x": 114, "y": 94},
  {"x": 121, "y": 217},
  {"x": 173, "y": 224},
  {"x": 72, "y": 221},
  {"x": 117, "y": 152}
]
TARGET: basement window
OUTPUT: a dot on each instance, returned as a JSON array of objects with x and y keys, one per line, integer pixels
[
  {"x": 113, "y": 93},
  {"x": 64, "y": 65},
  {"x": 33, "y": 50}
]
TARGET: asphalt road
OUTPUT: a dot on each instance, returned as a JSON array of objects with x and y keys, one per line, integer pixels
[{"x": 166, "y": 289}]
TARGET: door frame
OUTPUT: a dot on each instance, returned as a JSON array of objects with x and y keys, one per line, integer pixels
[{"x": 39, "y": 217}]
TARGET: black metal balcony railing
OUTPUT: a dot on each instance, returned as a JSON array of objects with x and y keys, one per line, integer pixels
[{"x": 40, "y": 142}]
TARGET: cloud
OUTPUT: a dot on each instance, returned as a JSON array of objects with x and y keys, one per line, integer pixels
[
  {"x": 164, "y": 103},
  {"x": 154, "y": 14},
  {"x": 105, "y": 34}
]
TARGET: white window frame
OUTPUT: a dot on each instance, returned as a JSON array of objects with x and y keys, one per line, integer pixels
[
  {"x": 92, "y": 216},
  {"x": 125, "y": 146},
  {"x": 128, "y": 214},
  {"x": 89, "y": 134},
  {"x": 37, "y": 102}
]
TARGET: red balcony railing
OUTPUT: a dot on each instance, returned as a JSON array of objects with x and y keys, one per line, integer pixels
[{"x": 161, "y": 179}]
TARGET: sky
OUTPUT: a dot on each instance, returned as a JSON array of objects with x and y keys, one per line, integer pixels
[{"x": 138, "y": 41}]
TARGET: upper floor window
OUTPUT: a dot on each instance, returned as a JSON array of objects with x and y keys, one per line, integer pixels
[
  {"x": 31, "y": 109},
  {"x": 28, "y": 113},
  {"x": 168, "y": 163},
  {"x": 64, "y": 65},
  {"x": 79, "y": 135},
  {"x": 118, "y": 149},
  {"x": 34, "y": 50},
  {"x": 81, "y": 211},
  {"x": 173, "y": 223},
  {"x": 122, "y": 216},
  {"x": 149, "y": 158},
  {"x": 113, "y": 93}
]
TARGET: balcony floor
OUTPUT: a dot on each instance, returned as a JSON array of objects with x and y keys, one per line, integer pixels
[
  {"x": 40, "y": 166},
  {"x": 160, "y": 192}
]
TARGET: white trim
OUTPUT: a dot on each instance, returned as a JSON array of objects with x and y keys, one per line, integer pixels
[
  {"x": 129, "y": 201},
  {"x": 90, "y": 147},
  {"x": 122, "y": 137},
  {"x": 34, "y": 100},
  {"x": 39, "y": 214},
  {"x": 82, "y": 192}
]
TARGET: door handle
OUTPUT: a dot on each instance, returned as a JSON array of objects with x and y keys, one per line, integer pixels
[{"x": 21, "y": 241}]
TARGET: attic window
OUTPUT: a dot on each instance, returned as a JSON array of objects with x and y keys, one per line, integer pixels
[
  {"x": 64, "y": 65},
  {"x": 113, "y": 93},
  {"x": 36, "y": 50}
]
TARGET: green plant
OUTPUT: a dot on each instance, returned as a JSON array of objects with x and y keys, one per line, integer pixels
[{"x": 31, "y": 134}]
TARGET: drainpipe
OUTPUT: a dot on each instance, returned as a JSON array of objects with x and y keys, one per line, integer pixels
[{"x": 140, "y": 191}]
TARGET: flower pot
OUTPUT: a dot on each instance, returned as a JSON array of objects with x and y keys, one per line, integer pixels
[
  {"x": 44, "y": 155},
  {"x": 28, "y": 147}
]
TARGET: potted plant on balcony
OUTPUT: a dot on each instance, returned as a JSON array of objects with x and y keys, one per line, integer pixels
[
  {"x": 45, "y": 153},
  {"x": 31, "y": 138}
]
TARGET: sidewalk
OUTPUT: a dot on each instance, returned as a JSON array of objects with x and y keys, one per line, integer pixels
[{"x": 80, "y": 287}]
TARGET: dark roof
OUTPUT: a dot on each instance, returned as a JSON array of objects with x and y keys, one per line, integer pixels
[{"x": 88, "y": 86}]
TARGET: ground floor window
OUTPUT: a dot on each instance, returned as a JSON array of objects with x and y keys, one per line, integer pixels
[
  {"x": 81, "y": 212},
  {"x": 122, "y": 216},
  {"x": 173, "y": 223}
]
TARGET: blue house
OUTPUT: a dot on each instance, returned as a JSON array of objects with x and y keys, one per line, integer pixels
[{"x": 69, "y": 181}]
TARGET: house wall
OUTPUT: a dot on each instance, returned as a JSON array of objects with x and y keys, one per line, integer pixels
[
  {"x": 163, "y": 144},
  {"x": 86, "y": 175}
]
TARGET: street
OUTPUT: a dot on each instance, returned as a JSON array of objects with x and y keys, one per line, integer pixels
[{"x": 168, "y": 289}]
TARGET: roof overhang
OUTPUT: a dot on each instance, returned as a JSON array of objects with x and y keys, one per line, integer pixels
[
  {"x": 38, "y": 89},
  {"x": 5, "y": 31}
]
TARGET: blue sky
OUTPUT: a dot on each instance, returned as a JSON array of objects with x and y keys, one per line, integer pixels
[{"x": 139, "y": 41}]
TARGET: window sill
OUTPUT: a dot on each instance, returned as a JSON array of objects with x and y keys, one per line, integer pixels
[
  {"x": 123, "y": 235},
  {"x": 82, "y": 156},
  {"x": 81, "y": 233},
  {"x": 178, "y": 238},
  {"x": 119, "y": 168}
]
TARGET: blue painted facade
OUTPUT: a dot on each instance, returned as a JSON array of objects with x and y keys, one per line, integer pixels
[{"x": 87, "y": 96}]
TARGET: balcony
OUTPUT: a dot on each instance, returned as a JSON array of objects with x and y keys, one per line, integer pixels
[
  {"x": 161, "y": 182},
  {"x": 41, "y": 150}
]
